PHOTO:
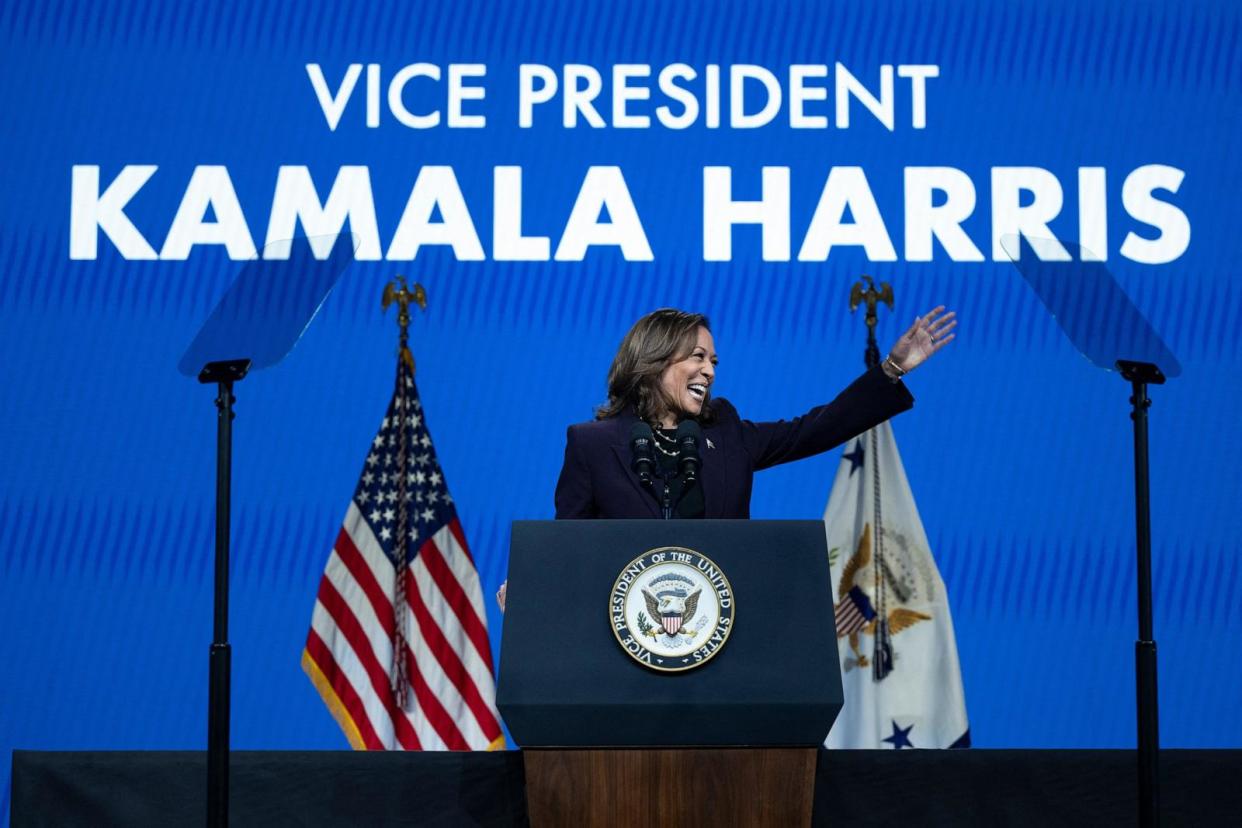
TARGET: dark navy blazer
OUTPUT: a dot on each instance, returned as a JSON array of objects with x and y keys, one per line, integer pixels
[{"x": 596, "y": 480}]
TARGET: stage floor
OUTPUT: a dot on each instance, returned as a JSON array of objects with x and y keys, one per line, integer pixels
[{"x": 966, "y": 787}]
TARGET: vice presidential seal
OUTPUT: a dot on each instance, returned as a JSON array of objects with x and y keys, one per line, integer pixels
[{"x": 671, "y": 609}]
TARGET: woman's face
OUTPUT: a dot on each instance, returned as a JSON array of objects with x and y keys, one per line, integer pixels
[{"x": 686, "y": 382}]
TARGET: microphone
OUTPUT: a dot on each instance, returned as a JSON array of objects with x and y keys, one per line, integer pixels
[
  {"x": 688, "y": 462},
  {"x": 642, "y": 452}
]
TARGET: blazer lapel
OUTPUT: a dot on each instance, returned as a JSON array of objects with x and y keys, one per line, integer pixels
[
  {"x": 623, "y": 457},
  {"x": 713, "y": 475},
  {"x": 621, "y": 448}
]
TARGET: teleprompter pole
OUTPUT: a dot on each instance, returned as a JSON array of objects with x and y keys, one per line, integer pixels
[
  {"x": 223, "y": 374},
  {"x": 1139, "y": 374}
]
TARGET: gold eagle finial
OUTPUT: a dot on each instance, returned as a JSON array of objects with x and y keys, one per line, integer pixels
[
  {"x": 872, "y": 297},
  {"x": 399, "y": 293}
]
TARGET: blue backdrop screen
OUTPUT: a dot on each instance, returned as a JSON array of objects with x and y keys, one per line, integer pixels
[{"x": 551, "y": 171}]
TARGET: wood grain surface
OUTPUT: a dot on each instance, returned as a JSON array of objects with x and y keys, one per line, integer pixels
[{"x": 670, "y": 787}]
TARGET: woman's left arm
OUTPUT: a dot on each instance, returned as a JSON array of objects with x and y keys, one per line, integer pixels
[
  {"x": 865, "y": 403},
  {"x": 871, "y": 399}
]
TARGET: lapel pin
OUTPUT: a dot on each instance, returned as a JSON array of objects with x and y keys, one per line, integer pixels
[{"x": 710, "y": 444}]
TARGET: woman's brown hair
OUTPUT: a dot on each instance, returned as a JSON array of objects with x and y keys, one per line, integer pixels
[{"x": 656, "y": 341}]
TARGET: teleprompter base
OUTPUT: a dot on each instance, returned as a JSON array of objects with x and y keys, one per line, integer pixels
[{"x": 683, "y": 786}]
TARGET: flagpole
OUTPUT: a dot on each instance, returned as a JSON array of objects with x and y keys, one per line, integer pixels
[
  {"x": 865, "y": 292},
  {"x": 397, "y": 292}
]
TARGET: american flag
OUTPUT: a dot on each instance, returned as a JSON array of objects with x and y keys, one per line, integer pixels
[{"x": 398, "y": 645}]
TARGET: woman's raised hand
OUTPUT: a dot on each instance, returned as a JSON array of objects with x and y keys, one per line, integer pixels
[{"x": 928, "y": 334}]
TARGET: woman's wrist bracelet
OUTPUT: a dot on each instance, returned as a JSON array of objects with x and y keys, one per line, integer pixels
[{"x": 890, "y": 367}]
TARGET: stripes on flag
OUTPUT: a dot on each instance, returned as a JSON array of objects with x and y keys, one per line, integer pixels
[
  {"x": 853, "y": 612},
  {"x": 349, "y": 654}
]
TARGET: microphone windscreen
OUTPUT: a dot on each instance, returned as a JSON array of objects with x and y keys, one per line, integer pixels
[
  {"x": 642, "y": 452},
  {"x": 689, "y": 428},
  {"x": 641, "y": 431},
  {"x": 688, "y": 437}
]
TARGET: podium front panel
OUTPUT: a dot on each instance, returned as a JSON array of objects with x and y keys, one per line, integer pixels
[{"x": 566, "y": 681}]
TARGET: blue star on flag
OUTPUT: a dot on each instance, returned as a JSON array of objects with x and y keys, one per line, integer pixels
[
  {"x": 855, "y": 457},
  {"x": 900, "y": 737}
]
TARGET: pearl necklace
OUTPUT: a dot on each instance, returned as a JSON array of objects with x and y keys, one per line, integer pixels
[{"x": 660, "y": 435}]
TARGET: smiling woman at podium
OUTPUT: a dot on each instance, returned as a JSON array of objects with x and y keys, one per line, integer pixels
[{"x": 662, "y": 446}]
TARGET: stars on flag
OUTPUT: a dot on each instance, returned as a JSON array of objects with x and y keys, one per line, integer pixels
[{"x": 426, "y": 499}]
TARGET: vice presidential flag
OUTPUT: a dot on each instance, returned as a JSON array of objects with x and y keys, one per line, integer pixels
[
  {"x": 899, "y": 665},
  {"x": 398, "y": 645}
]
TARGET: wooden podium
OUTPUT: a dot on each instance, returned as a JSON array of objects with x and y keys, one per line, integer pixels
[
  {"x": 610, "y": 741},
  {"x": 687, "y": 787}
]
